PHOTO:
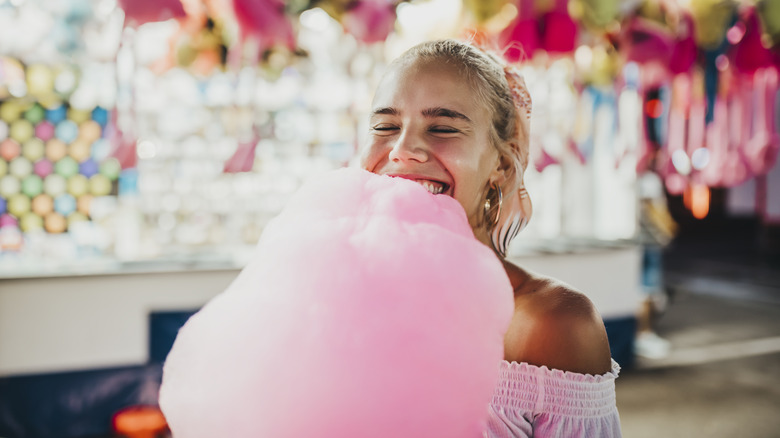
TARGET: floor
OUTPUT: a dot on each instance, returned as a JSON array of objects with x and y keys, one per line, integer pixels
[{"x": 722, "y": 376}]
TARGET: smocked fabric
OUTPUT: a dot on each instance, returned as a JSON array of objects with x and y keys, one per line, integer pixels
[{"x": 531, "y": 401}]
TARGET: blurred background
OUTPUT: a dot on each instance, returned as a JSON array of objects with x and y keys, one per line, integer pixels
[{"x": 144, "y": 145}]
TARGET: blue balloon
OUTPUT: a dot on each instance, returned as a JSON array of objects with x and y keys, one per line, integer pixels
[
  {"x": 65, "y": 204},
  {"x": 88, "y": 167},
  {"x": 100, "y": 115},
  {"x": 101, "y": 149},
  {"x": 56, "y": 115},
  {"x": 67, "y": 131},
  {"x": 2, "y": 205}
]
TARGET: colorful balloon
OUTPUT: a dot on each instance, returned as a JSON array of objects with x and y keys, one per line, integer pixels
[
  {"x": 55, "y": 223},
  {"x": 66, "y": 167},
  {"x": 44, "y": 130},
  {"x": 66, "y": 131},
  {"x": 35, "y": 114},
  {"x": 100, "y": 185},
  {"x": 9, "y": 186},
  {"x": 33, "y": 149},
  {"x": 57, "y": 114},
  {"x": 18, "y": 204},
  {"x": 54, "y": 185},
  {"x": 43, "y": 168},
  {"x": 9, "y": 149},
  {"x": 32, "y": 185},
  {"x": 55, "y": 150},
  {"x": 88, "y": 167},
  {"x": 20, "y": 167},
  {"x": 42, "y": 204},
  {"x": 78, "y": 185},
  {"x": 21, "y": 130},
  {"x": 30, "y": 222},
  {"x": 65, "y": 204}
]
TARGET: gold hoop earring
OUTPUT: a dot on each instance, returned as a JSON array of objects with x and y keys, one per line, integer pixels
[{"x": 488, "y": 204}]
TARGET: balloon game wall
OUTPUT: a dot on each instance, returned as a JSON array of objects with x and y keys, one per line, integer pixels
[{"x": 135, "y": 130}]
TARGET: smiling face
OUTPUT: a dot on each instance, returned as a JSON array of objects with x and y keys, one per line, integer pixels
[{"x": 427, "y": 124}]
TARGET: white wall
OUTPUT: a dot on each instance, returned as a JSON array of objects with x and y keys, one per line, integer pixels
[{"x": 87, "y": 322}]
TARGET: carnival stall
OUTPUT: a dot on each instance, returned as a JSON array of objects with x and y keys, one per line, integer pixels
[{"x": 145, "y": 145}]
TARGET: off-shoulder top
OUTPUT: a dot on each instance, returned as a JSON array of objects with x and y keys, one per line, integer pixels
[{"x": 531, "y": 401}]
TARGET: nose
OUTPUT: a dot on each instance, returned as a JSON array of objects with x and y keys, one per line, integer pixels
[{"x": 408, "y": 147}]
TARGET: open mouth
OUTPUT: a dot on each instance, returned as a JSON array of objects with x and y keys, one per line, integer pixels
[
  {"x": 435, "y": 187},
  {"x": 431, "y": 185}
]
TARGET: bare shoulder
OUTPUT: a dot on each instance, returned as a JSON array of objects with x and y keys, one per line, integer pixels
[{"x": 555, "y": 325}]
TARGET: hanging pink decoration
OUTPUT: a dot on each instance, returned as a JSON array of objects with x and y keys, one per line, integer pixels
[
  {"x": 520, "y": 39},
  {"x": 243, "y": 159},
  {"x": 370, "y": 21},
  {"x": 644, "y": 41},
  {"x": 138, "y": 12},
  {"x": 684, "y": 52},
  {"x": 560, "y": 30},
  {"x": 266, "y": 21},
  {"x": 749, "y": 54},
  {"x": 395, "y": 282}
]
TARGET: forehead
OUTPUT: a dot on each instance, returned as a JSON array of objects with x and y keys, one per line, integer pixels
[{"x": 417, "y": 85}]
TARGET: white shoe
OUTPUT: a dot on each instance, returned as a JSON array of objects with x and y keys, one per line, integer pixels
[{"x": 651, "y": 346}]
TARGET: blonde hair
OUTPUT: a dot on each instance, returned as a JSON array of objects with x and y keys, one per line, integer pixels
[{"x": 487, "y": 75}]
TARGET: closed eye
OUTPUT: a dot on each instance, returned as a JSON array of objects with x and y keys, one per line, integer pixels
[{"x": 443, "y": 130}]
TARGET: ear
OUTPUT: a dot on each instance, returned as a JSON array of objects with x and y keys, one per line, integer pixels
[{"x": 503, "y": 171}]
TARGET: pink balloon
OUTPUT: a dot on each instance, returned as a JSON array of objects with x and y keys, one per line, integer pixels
[
  {"x": 138, "y": 12},
  {"x": 370, "y": 21},
  {"x": 368, "y": 309}
]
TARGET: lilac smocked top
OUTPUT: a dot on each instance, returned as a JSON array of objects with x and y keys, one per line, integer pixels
[{"x": 532, "y": 401}]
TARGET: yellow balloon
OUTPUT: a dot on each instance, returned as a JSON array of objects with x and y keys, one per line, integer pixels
[
  {"x": 99, "y": 185},
  {"x": 10, "y": 110},
  {"x": 78, "y": 185},
  {"x": 76, "y": 217},
  {"x": 40, "y": 80},
  {"x": 30, "y": 222},
  {"x": 79, "y": 115},
  {"x": 21, "y": 130},
  {"x": 33, "y": 149},
  {"x": 18, "y": 204}
]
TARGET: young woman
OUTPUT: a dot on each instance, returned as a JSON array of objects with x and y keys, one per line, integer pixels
[{"x": 455, "y": 119}]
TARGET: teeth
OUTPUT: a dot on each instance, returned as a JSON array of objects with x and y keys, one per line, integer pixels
[{"x": 429, "y": 186}]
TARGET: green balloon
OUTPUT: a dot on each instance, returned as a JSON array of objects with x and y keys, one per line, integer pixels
[
  {"x": 110, "y": 168},
  {"x": 35, "y": 114},
  {"x": 32, "y": 186},
  {"x": 66, "y": 167}
]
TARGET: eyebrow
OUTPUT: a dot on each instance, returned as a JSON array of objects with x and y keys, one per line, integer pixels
[{"x": 428, "y": 113}]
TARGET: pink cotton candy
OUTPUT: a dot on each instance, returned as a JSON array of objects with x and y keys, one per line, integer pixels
[{"x": 368, "y": 310}]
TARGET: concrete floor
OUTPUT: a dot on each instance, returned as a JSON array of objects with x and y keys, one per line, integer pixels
[{"x": 722, "y": 377}]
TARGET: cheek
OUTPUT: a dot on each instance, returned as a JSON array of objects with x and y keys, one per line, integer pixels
[{"x": 371, "y": 155}]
